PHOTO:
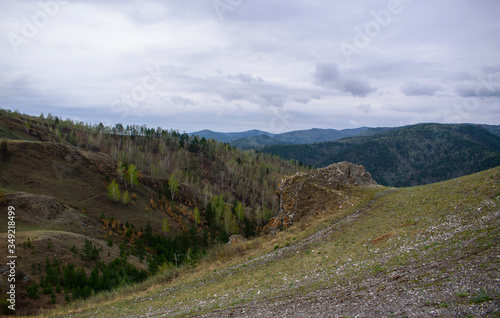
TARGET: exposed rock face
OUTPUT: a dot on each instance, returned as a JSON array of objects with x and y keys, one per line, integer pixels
[
  {"x": 342, "y": 174},
  {"x": 316, "y": 191}
]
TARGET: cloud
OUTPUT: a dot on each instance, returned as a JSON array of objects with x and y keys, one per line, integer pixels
[
  {"x": 367, "y": 108},
  {"x": 245, "y": 78},
  {"x": 483, "y": 85},
  {"x": 183, "y": 101},
  {"x": 359, "y": 87},
  {"x": 328, "y": 76},
  {"x": 413, "y": 88},
  {"x": 280, "y": 54},
  {"x": 478, "y": 89}
]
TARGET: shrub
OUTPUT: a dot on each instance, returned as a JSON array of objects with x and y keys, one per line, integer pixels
[{"x": 33, "y": 291}]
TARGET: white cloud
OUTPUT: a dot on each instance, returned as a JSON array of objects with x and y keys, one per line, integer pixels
[{"x": 256, "y": 60}]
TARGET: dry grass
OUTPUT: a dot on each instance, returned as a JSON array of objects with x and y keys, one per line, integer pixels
[{"x": 379, "y": 232}]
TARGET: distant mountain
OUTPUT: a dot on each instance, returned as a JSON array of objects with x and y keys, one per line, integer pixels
[
  {"x": 318, "y": 135},
  {"x": 374, "y": 131},
  {"x": 406, "y": 156},
  {"x": 259, "y": 138},
  {"x": 258, "y": 141},
  {"x": 494, "y": 129},
  {"x": 229, "y": 136}
]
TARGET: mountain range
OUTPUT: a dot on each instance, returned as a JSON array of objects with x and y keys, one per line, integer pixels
[
  {"x": 406, "y": 156},
  {"x": 254, "y": 139},
  {"x": 257, "y": 138}
]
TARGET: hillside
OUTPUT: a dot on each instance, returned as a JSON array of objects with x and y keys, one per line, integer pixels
[
  {"x": 121, "y": 203},
  {"x": 412, "y": 155},
  {"x": 426, "y": 251}
]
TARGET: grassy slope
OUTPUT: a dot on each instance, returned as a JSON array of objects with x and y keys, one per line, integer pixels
[
  {"x": 63, "y": 172},
  {"x": 415, "y": 250}
]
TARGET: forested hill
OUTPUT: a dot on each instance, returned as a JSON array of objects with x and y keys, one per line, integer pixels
[
  {"x": 121, "y": 203},
  {"x": 411, "y": 155}
]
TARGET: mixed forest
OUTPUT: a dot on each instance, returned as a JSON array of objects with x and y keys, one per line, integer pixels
[
  {"x": 163, "y": 197},
  {"x": 406, "y": 156}
]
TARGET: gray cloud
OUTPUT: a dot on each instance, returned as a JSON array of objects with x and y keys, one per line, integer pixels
[
  {"x": 413, "y": 88},
  {"x": 329, "y": 76},
  {"x": 483, "y": 85},
  {"x": 262, "y": 54},
  {"x": 367, "y": 108},
  {"x": 359, "y": 87},
  {"x": 183, "y": 101},
  {"x": 245, "y": 78},
  {"x": 478, "y": 89}
]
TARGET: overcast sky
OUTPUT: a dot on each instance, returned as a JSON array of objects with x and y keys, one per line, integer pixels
[{"x": 235, "y": 65}]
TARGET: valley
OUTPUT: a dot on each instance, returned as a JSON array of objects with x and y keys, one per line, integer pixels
[{"x": 134, "y": 221}]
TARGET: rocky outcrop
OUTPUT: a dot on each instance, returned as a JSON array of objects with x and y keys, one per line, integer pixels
[
  {"x": 236, "y": 239},
  {"x": 316, "y": 191},
  {"x": 341, "y": 174},
  {"x": 43, "y": 211}
]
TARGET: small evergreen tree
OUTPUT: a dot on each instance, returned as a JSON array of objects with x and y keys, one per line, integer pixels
[{"x": 33, "y": 291}]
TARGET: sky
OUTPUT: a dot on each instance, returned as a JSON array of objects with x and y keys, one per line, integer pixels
[{"x": 236, "y": 65}]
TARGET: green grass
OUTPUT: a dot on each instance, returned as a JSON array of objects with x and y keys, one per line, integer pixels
[
  {"x": 481, "y": 297},
  {"x": 407, "y": 227}
]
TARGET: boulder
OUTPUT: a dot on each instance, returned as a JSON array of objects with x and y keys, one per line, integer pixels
[{"x": 236, "y": 239}]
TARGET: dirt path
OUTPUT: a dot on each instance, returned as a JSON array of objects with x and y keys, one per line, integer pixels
[{"x": 91, "y": 198}]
